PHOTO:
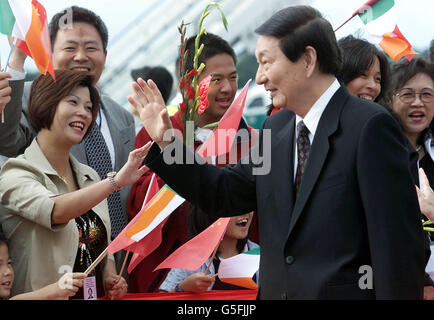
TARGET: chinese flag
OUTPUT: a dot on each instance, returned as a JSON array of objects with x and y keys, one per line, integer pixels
[
  {"x": 195, "y": 252},
  {"x": 221, "y": 140}
]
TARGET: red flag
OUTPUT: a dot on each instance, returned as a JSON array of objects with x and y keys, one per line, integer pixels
[
  {"x": 223, "y": 137},
  {"x": 144, "y": 247},
  {"x": 408, "y": 52},
  {"x": 195, "y": 252}
]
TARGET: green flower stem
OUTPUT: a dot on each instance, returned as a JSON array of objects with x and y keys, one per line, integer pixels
[
  {"x": 191, "y": 105},
  {"x": 211, "y": 125}
]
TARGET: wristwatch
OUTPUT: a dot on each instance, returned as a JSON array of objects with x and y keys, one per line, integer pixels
[{"x": 111, "y": 177}]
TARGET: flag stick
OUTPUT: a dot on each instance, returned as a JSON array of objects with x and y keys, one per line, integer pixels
[
  {"x": 96, "y": 262},
  {"x": 147, "y": 192},
  {"x": 344, "y": 23},
  {"x": 123, "y": 266},
  {"x": 10, "y": 53},
  {"x": 212, "y": 258}
]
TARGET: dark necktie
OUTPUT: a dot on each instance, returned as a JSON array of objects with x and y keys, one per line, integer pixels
[
  {"x": 303, "y": 148},
  {"x": 98, "y": 158}
]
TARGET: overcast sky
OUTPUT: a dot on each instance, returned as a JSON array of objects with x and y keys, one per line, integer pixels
[{"x": 414, "y": 17}]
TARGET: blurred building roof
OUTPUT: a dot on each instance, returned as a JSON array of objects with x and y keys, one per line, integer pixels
[{"x": 152, "y": 38}]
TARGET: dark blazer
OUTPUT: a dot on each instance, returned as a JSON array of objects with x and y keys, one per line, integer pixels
[{"x": 356, "y": 207}]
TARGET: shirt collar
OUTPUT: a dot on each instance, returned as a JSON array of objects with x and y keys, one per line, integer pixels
[
  {"x": 313, "y": 116},
  {"x": 35, "y": 154}
]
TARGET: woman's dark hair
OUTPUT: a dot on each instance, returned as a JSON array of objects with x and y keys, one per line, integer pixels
[
  {"x": 46, "y": 94},
  {"x": 79, "y": 14},
  {"x": 300, "y": 26},
  {"x": 198, "y": 221},
  {"x": 213, "y": 45},
  {"x": 357, "y": 57},
  {"x": 403, "y": 70}
]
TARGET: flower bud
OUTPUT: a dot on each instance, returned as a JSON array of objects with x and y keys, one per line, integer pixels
[{"x": 200, "y": 69}]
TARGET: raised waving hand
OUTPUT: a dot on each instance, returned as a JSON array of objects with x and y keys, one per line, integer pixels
[{"x": 147, "y": 100}]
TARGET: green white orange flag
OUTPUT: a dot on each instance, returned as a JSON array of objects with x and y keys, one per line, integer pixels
[
  {"x": 143, "y": 234},
  {"x": 26, "y": 20},
  {"x": 161, "y": 206},
  {"x": 380, "y": 21},
  {"x": 194, "y": 253},
  {"x": 240, "y": 269},
  {"x": 221, "y": 140}
]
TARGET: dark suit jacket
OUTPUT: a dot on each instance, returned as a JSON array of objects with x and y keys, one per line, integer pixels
[{"x": 356, "y": 206}]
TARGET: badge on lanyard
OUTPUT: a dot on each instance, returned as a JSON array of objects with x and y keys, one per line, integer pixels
[{"x": 89, "y": 288}]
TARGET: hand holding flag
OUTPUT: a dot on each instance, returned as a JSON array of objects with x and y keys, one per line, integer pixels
[
  {"x": 5, "y": 91},
  {"x": 27, "y": 20}
]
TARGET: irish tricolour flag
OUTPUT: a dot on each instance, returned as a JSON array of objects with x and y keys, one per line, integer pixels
[
  {"x": 143, "y": 234},
  {"x": 160, "y": 207},
  {"x": 380, "y": 20},
  {"x": 240, "y": 269},
  {"x": 26, "y": 20}
]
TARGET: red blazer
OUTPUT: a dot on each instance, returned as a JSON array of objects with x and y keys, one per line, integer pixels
[{"x": 175, "y": 231}]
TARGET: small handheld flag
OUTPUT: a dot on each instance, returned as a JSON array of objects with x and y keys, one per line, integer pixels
[
  {"x": 26, "y": 20},
  {"x": 195, "y": 252}
]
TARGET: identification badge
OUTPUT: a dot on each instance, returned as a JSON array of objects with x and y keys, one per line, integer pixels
[{"x": 89, "y": 288}]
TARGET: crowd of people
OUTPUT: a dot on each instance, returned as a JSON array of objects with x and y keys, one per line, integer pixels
[{"x": 351, "y": 157}]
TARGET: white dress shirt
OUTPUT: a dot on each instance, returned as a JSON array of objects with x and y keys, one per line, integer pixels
[
  {"x": 313, "y": 116},
  {"x": 106, "y": 134}
]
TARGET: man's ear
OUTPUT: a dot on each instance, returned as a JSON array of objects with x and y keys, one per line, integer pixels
[{"x": 310, "y": 60}]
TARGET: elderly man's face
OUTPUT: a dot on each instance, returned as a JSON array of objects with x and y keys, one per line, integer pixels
[
  {"x": 277, "y": 73},
  {"x": 79, "y": 48}
]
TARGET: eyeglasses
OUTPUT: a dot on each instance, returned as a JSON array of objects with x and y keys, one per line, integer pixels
[{"x": 408, "y": 95}]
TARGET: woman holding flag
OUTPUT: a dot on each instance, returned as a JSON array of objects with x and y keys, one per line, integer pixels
[{"x": 54, "y": 211}]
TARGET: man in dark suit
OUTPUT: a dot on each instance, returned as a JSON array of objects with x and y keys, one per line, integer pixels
[
  {"x": 82, "y": 45},
  {"x": 338, "y": 213}
]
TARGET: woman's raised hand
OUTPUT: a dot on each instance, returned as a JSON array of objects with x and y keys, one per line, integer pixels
[{"x": 134, "y": 168}]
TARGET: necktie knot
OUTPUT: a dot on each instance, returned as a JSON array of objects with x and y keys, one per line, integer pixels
[{"x": 302, "y": 130}]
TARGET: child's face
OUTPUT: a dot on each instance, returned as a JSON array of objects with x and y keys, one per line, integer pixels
[
  {"x": 6, "y": 272},
  {"x": 238, "y": 227}
]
